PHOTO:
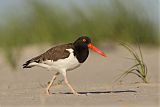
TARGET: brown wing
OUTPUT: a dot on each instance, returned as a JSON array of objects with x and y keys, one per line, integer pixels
[{"x": 55, "y": 53}]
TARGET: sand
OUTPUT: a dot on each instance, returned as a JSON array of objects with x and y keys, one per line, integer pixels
[{"x": 94, "y": 80}]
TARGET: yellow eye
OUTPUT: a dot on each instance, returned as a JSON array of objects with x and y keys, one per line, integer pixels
[{"x": 84, "y": 40}]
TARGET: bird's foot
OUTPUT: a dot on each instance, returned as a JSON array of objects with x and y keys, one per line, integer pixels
[
  {"x": 77, "y": 94},
  {"x": 47, "y": 92}
]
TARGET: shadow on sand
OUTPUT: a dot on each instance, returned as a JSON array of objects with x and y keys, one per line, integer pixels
[{"x": 100, "y": 92}]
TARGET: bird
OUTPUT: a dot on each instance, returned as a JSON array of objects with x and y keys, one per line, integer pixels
[{"x": 64, "y": 58}]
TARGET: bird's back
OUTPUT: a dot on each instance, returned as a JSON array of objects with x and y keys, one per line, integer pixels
[{"x": 53, "y": 54}]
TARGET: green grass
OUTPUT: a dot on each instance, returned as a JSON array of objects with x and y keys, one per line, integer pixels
[
  {"x": 139, "y": 68},
  {"x": 54, "y": 25}
]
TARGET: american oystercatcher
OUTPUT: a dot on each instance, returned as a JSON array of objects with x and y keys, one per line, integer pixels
[{"x": 64, "y": 58}]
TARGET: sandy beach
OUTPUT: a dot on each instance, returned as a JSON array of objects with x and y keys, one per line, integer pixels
[{"x": 94, "y": 80}]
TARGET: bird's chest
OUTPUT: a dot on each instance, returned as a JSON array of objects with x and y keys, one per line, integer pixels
[{"x": 81, "y": 53}]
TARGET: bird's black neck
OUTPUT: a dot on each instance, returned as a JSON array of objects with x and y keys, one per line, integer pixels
[{"x": 81, "y": 52}]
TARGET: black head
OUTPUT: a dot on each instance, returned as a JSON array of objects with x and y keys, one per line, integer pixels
[
  {"x": 83, "y": 41},
  {"x": 81, "y": 46}
]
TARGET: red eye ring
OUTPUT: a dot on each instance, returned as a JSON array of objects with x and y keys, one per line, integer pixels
[{"x": 84, "y": 40}]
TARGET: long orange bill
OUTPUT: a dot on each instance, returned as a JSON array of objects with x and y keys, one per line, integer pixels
[{"x": 96, "y": 50}]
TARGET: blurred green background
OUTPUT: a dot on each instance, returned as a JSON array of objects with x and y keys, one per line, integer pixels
[{"x": 53, "y": 21}]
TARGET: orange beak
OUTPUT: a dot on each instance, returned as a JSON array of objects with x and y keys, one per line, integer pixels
[{"x": 96, "y": 50}]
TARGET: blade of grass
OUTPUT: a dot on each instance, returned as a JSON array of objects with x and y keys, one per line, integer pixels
[
  {"x": 136, "y": 74},
  {"x": 126, "y": 72},
  {"x": 131, "y": 51}
]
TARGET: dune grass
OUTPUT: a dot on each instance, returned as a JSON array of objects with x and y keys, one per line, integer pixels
[{"x": 139, "y": 68}]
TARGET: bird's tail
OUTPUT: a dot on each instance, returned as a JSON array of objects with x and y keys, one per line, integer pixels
[
  {"x": 32, "y": 62},
  {"x": 27, "y": 64}
]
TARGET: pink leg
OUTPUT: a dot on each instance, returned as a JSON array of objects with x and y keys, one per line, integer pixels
[
  {"x": 51, "y": 82},
  {"x": 66, "y": 81}
]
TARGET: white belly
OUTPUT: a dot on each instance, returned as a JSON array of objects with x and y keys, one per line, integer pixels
[{"x": 69, "y": 63}]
